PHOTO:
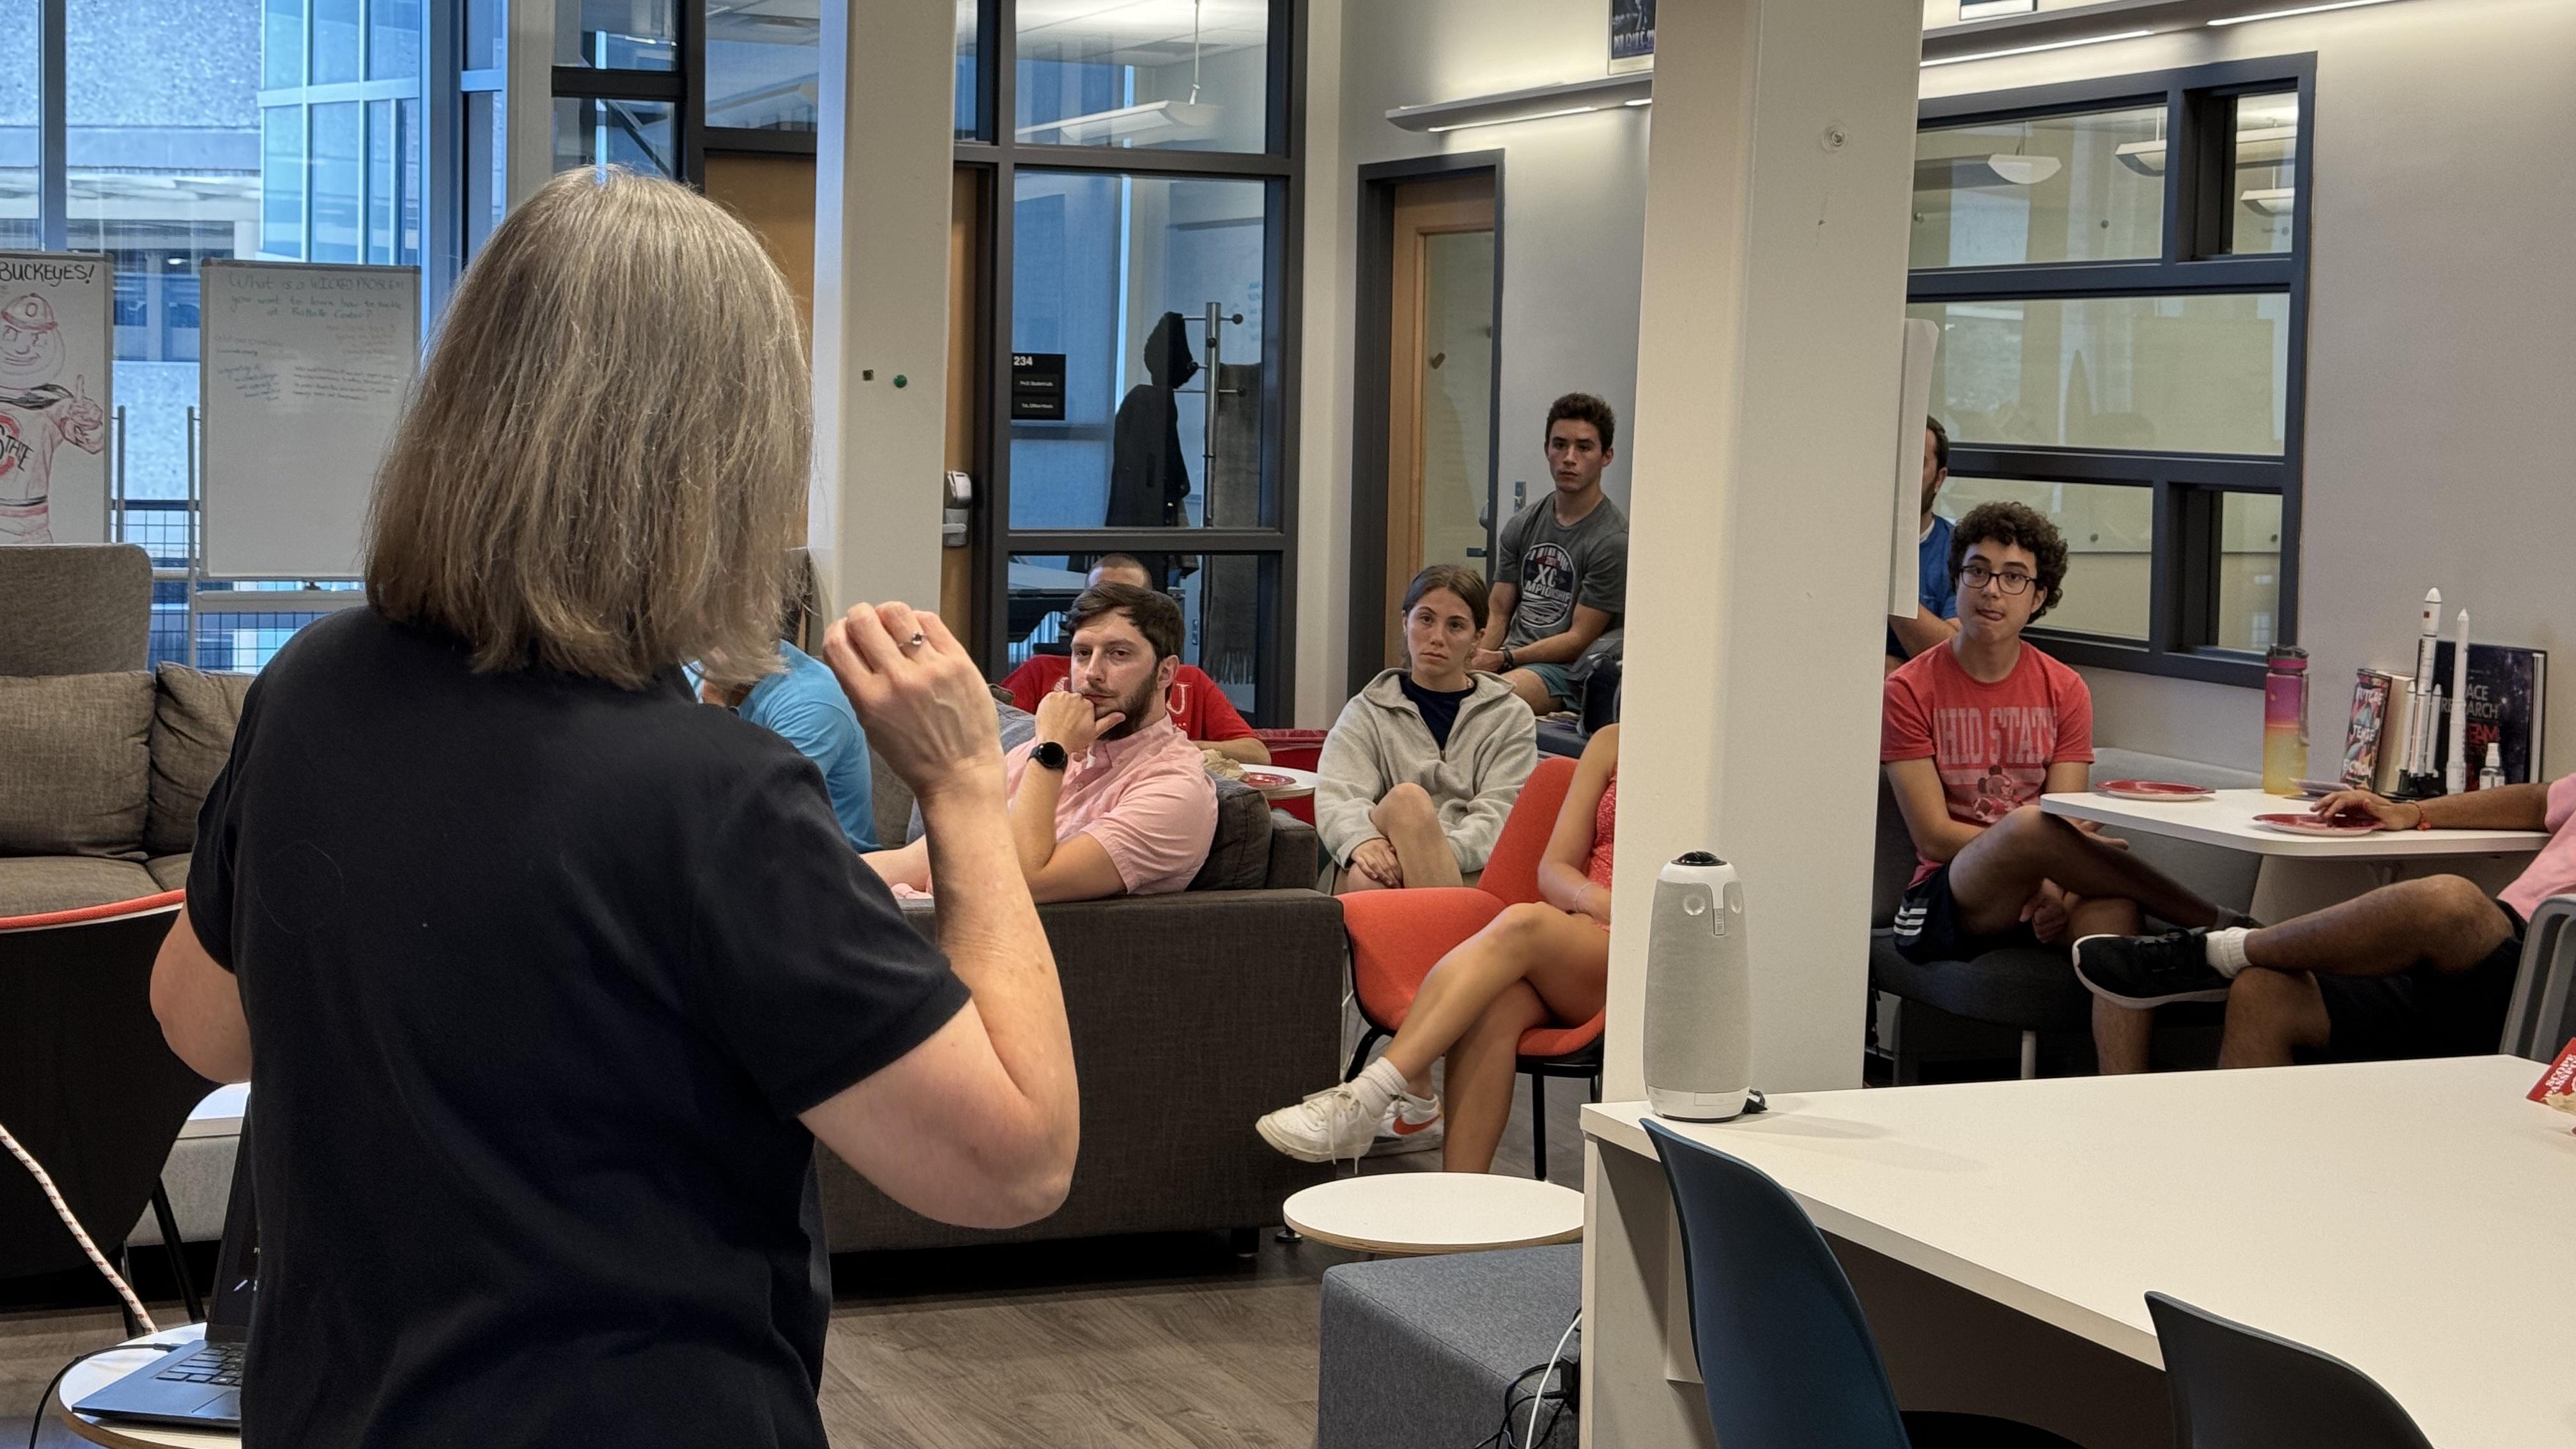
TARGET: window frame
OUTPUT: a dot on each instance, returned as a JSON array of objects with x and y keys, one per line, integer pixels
[
  {"x": 2189, "y": 489},
  {"x": 993, "y": 157}
]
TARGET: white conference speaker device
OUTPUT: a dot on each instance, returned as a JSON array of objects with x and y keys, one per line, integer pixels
[{"x": 1699, "y": 994}]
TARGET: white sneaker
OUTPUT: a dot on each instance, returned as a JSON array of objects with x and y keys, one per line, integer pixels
[
  {"x": 1412, "y": 1124},
  {"x": 1328, "y": 1126}
]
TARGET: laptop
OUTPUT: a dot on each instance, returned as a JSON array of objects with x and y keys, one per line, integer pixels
[{"x": 199, "y": 1385}]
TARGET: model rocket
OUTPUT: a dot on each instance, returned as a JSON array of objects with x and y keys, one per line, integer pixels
[{"x": 2419, "y": 754}]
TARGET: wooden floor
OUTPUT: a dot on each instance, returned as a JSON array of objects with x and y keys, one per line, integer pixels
[{"x": 1150, "y": 1342}]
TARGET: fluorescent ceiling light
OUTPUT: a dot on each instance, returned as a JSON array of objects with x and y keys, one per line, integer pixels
[
  {"x": 2269, "y": 200},
  {"x": 2301, "y": 10},
  {"x": 1569, "y": 98},
  {"x": 2262, "y": 147},
  {"x": 1640, "y": 101},
  {"x": 2036, "y": 49},
  {"x": 1180, "y": 118},
  {"x": 1507, "y": 120},
  {"x": 1990, "y": 9}
]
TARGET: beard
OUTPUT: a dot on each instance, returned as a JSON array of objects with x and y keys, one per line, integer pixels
[{"x": 1136, "y": 707}]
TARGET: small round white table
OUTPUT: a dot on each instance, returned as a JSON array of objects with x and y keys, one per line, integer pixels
[
  {"x": 1406, "y": 1213},
  {"x": 91, "y": 1375}
]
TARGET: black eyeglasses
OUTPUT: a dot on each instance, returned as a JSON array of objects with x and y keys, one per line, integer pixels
[{"x": 1977, "y": 576}]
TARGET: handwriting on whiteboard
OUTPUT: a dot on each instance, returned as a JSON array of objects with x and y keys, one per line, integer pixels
[{"x": 315, "y": 341}]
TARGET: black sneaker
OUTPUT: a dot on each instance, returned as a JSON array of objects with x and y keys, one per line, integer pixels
[{"x": 2149, "y": 970}]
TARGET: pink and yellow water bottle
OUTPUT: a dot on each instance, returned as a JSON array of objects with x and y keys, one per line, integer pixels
[{"x": 2285, "y": 720}]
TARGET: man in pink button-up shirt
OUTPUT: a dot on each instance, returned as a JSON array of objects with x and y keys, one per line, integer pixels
[
  {"x": 2421, "y": 968},
  {"x": 1109, "y": 798}
]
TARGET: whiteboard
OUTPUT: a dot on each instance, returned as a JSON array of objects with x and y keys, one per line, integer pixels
[
  {"x": 304, "y": 375},
  {"x": 57, "y": 342}
]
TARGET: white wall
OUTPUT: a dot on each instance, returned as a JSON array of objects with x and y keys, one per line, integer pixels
[
  {"x": 1573, "y": 234},
  {"x": 2441, "y": 346}
]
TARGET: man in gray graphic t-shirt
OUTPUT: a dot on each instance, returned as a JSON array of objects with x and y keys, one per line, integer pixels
[{"x": 1561, "y": 571}]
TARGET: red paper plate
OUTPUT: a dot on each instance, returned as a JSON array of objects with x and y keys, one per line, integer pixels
[
  {"x": 2304, "y": 824},
  {"x": 2152, "y": 790},
  {"x": 1264, "y": 780}
]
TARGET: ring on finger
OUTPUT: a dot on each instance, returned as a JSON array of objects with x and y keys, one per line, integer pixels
[{"x": 916, "y": 641}]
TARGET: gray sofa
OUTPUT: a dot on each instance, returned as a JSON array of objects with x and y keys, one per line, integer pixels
[
  {"x": 1191, "y": 1014},
  {"x": 106, "y": 771}
]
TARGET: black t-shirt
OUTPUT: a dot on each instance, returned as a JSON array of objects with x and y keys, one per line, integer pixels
[
  {"x": 1439, "y": 706},
  {"x": 539, "y": 973}
]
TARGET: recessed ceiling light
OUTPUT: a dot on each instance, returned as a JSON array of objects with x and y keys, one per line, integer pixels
[
  {"x": 2036, "y": 49},
  {"x": 1990, "y": 9},
  {"x": 2301, "y": 10},
  {"x": 1640, "y": 101}
]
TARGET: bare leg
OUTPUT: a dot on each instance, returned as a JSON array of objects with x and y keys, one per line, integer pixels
[
  {"x": 1564, "y": 959},
  {"x": 1533, "y": 691},
  {"x": 1480, "y": 1076},
  {"x": 2269, "y": 1015},
  {"x": 2440, "y": 921},
  {"x": 1996, "y": 873},
  {"x": 2122, "y": 1035},
  {"x": 1411, "y": 823}
]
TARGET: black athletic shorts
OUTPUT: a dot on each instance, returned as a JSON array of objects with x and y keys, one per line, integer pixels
[
  {"x": 2421, "y": 1012},
  {"x": 1928, "y": 929}
]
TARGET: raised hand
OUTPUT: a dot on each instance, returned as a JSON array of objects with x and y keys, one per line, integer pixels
[
  {"x": 920, "y": 698},
  {"x": 1067, "y": 719}
]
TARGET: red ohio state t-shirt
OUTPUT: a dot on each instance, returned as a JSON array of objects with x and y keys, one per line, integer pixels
[
  {"x": 1992, "y": 743},
  {"x": 1199, "y": 707}
]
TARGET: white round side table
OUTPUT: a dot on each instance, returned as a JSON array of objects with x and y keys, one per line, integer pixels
[{"x": 1412, "y": 1213}]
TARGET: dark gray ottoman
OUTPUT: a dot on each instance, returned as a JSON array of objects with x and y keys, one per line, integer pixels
[{"x": 1418, "y": 1351}]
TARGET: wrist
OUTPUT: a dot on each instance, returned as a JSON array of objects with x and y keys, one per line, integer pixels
[{"x": 967, "y": 787}]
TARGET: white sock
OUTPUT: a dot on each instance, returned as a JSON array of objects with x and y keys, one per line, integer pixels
[
  {"x": 2226, "y": 950},
  {"x": 1376, "y": 1086}
]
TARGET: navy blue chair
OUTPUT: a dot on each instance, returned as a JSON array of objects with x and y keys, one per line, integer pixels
[
  {"x": 2235, "y": 1387},
  {"x": 1786, "y": 1357}
]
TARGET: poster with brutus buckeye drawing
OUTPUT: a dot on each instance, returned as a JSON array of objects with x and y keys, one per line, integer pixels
[{"x": 56, "y": 338}]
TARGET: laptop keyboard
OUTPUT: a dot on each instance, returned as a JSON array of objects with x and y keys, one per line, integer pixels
[{"x": 219, "y": 1364}]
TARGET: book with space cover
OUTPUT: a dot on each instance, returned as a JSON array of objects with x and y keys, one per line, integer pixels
[
  {"x": 2361, "y": 737},
  {"x": 2507, "y": 691}
]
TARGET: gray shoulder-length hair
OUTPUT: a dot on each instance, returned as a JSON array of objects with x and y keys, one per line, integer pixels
[{"x": 603, "y": 465}]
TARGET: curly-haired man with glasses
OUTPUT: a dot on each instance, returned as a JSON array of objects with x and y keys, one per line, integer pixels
[{"x": 1975, "y": 731}]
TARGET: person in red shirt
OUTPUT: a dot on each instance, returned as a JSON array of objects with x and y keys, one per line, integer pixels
[
  {"x": 1975, "y": 731},
  {"x": 1206, "y": 717}
]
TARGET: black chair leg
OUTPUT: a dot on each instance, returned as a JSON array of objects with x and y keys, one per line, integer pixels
[
  {"x": 1538, "y": 1126},
  {"x": 1359, "y": 1056},
  {"x": 169, "y": 1222}
]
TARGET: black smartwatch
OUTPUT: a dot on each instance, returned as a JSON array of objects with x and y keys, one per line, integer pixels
[{"x": 1049, "y": 755}]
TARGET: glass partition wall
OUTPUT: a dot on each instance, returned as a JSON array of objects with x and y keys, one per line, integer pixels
[{"x": 1137, "y": 394}]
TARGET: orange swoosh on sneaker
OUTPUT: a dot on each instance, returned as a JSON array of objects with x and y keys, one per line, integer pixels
[{"x": 1403, "y": 1128}]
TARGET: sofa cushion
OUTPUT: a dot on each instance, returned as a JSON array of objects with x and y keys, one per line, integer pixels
[
  {"x": 34, "y": 884},
  {"x": 170, "y": 872},
  {"x": 193, "y": 716},
  {"x": 1238, "y": 857},
  {"x": 80, "y": 764}
]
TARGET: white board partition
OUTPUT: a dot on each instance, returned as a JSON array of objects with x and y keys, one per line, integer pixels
[
  {"x": 56, "y": 354},
  {"x": 305, "y": 372}
]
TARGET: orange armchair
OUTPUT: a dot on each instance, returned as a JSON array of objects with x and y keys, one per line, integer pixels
[{"x": 1398, "y": 936}]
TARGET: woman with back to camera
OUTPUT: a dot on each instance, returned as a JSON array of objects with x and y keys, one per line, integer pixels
[
  {"x": 1539, "y": 963},
  {"x": 1422, "y": 767},
  {"x": 548, "y": 979}
]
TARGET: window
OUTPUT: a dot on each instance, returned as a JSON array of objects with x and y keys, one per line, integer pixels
[
  {"x": 764, "y": 64},
  {"x": 278, "y": 129},
  {"x": 2118, "y": 271},
  {"x": 1141, "y": 331}
]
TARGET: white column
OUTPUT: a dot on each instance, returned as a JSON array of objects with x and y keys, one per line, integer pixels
[
  {"x": 528, "y": 99},
  {"x": 1778, "y": 181},
  {"x": 1767, "y": 363},
  {"x": 881, "y": 198},
  {"x": 1323, "y": 581}
]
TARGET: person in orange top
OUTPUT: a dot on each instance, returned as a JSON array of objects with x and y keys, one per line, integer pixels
[
  {"x": 1207, "y": 718},
  {"x": 1539, "y": 963}
]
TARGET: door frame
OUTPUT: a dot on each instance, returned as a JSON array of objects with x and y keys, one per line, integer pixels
[{"x": 1373, "y": 299}]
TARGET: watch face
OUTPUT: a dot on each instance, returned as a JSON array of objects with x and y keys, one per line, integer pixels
[{"x": 1049, "y": 754}]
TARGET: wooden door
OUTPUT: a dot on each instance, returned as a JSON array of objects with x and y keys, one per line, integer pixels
[{"x": 1440, "y": 350}]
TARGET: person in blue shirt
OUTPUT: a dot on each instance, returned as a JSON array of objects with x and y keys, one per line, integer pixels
[
  {"x": 803, "y": 704},
  {"x": 1936, "y": 615}
]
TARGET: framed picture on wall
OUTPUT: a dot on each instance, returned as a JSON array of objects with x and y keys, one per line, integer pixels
[{"x": 1632, "y": 35}]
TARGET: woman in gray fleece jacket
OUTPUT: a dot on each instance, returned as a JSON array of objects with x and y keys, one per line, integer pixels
[{"x": 1425, "y": 762}]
